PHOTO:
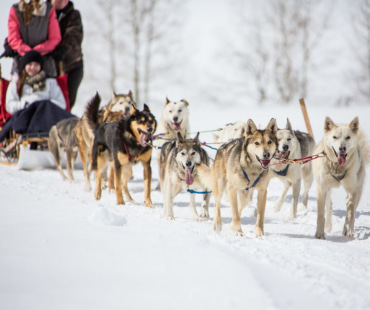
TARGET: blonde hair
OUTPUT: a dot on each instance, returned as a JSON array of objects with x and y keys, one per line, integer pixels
[{"x": 28, "y": 7}]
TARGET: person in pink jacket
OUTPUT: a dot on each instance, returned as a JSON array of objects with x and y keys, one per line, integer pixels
[{"x": 33, "y": 25}]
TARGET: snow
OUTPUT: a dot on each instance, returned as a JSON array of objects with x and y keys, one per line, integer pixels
[{"x": 62, "y": 249}]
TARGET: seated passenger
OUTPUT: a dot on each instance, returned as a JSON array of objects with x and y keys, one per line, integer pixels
[{"x": 35, "y": 100}]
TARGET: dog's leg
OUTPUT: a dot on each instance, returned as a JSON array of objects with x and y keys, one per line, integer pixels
[
  {"x": 118, "y": 177},
  {"x": 69, "y": 160},
  {"x": 56, "y": 150},
  {"x": 296, "y": 190},
  {"x": 204, "y": 207},
  {"x": 261, "y": 205},
  {"x": 147, "y": 183},
  {"x": 83, "y": 149},
  {"x": 218, "y": 186},
  {"x": 101, "y": 163},
  {"x": 279, "y": 203},
  {"x": 329, "y": 211},
  {"x": 321, "y": 199},
  {"x": 349, "y": 224},
  {"x": 243, "y": 200},
  {"x": 236, "y": 222},
  {"x": 193, "y": 209},
  {"x": 307, "y": 177},
  {"x": 168, "y": 191},
  {"x": 126, "y": 175},
  {"x": 111, "y": 180}
]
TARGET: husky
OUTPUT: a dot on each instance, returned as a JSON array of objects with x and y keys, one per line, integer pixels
[
  {"x": 174, "y": 119},
  {"x": 241, "y": 165},
  {"x": 75, "y": 135},
  {"x": 178, "y": 169},
  {"x": 231, "y": 131},
  {"x": 346, "y": 153},
  {"x": 293, "y": 144},
  {"x": 121, "y": 102},
  {"x": 120, "y": 145}
]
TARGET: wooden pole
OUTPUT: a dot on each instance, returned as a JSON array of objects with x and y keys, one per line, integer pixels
[{"x": 305, "y": 116}]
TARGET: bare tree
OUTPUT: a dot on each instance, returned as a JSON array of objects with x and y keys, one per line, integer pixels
[{"x": 361, "y": 23}]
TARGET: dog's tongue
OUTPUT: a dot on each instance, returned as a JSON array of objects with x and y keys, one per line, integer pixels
[
  {"x": 282, "y": 155},
  {"x": 188, "y": 178},
  {"x": 341, "y": 159},
  {"x": 265, "y": 163},
  {"x": 143, "y": 138},
  {"x": 176, "y": 126}
]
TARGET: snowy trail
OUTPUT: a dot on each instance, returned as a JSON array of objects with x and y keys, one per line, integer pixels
[{"x": 59, "y": 244}]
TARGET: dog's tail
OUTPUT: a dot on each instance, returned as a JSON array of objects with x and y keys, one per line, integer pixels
[
  {"x": 205, "y": 175},
  {"x": 92, "y": 111}
]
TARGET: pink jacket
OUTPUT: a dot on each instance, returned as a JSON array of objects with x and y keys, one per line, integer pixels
[{"x": 15, "y": 39}]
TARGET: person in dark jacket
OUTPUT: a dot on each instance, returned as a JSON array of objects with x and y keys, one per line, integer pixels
[{"x": 68, "y": 54}]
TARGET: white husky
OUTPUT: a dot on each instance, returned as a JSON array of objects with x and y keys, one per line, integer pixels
[
  {"x": 346, "y": 154},
  {"x": 174, "y": 119}
]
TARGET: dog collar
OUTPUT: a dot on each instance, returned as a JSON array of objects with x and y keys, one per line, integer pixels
[
  {"x": 255, "y": 182},
  {"x": 282, "y": 173}
]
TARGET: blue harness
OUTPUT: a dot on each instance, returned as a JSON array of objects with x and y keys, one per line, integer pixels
[
  {"x": 282, "y": 173},
  {"x": 255, "y": 182}
]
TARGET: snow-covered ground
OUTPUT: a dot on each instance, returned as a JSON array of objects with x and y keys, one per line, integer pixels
[{"x": 61, "y": 249}]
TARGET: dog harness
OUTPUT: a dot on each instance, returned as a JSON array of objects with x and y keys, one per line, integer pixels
[
  {"x": 282, "y": 173},
  {"x": 255, "y": 182},
  {"x": 130, "y": 158}
]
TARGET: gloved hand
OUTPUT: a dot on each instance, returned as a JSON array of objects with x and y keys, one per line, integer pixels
[
  {"x": 8, "y": 51},
  {"x": 59, "y": 53}
]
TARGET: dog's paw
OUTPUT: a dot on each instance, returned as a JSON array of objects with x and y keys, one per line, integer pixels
[
  {"x": 204, "y": 214},
  {"x": 170, "y": 218},
  {"x": 259, "y": 232},
  {"x": 148, "y": 204},
  {"x": 277, "y": 207},
  {"x": 328, "y": 226},
  {"x": 217, "y": 227},
  {"x": 348, "y": 232},
  {"x": 97, "y": 195},
  {"x": 320, "y": 235}
]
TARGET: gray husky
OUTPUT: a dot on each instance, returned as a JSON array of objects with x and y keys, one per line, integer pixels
[
  {"x": 293, "y": 144},
  {"x": 178, "y": 169}
]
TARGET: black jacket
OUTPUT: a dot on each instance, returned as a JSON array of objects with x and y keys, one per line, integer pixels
[{"x": 69, "y": 50}]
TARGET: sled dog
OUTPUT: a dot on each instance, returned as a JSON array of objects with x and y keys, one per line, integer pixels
[
  {"x": 241, "y": 165},
  {"x": 231, "y": 131},
  {"x": 293, "y": 144},
  {"x": 74, "y": 135},
  {"x": 174, "y": 119},
  {"x": 178, "y": 170},
  {"x": 120, "y": 145},
  {"x": 346, "y": 155},
  {"x": 121, "y": 102}
]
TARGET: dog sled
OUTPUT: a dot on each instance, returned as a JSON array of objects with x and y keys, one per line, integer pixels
[{"x": 26, "y": 151}]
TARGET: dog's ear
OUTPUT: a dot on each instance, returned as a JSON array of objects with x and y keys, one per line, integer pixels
[
  {"x": 184, "y": 101},
  {"x": 196, "y": 138},
  {"x": 133, "y": 110},
  {"x": 288, "y": 125},
  {"x": 180, "y": 139},
  {"x": 354, "y": 125},
  {"x": 114, "y": 95},
  {"x": 272, "y": 126},
  {"x": 106, "y": 113},
  {"x": 167, "y": 101},
  {"x": 130, "y": 94},
  {"x": 328, "y": 124},
  {"x": 146, "y": 108},
  {"x": 251, "y": 127}
]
